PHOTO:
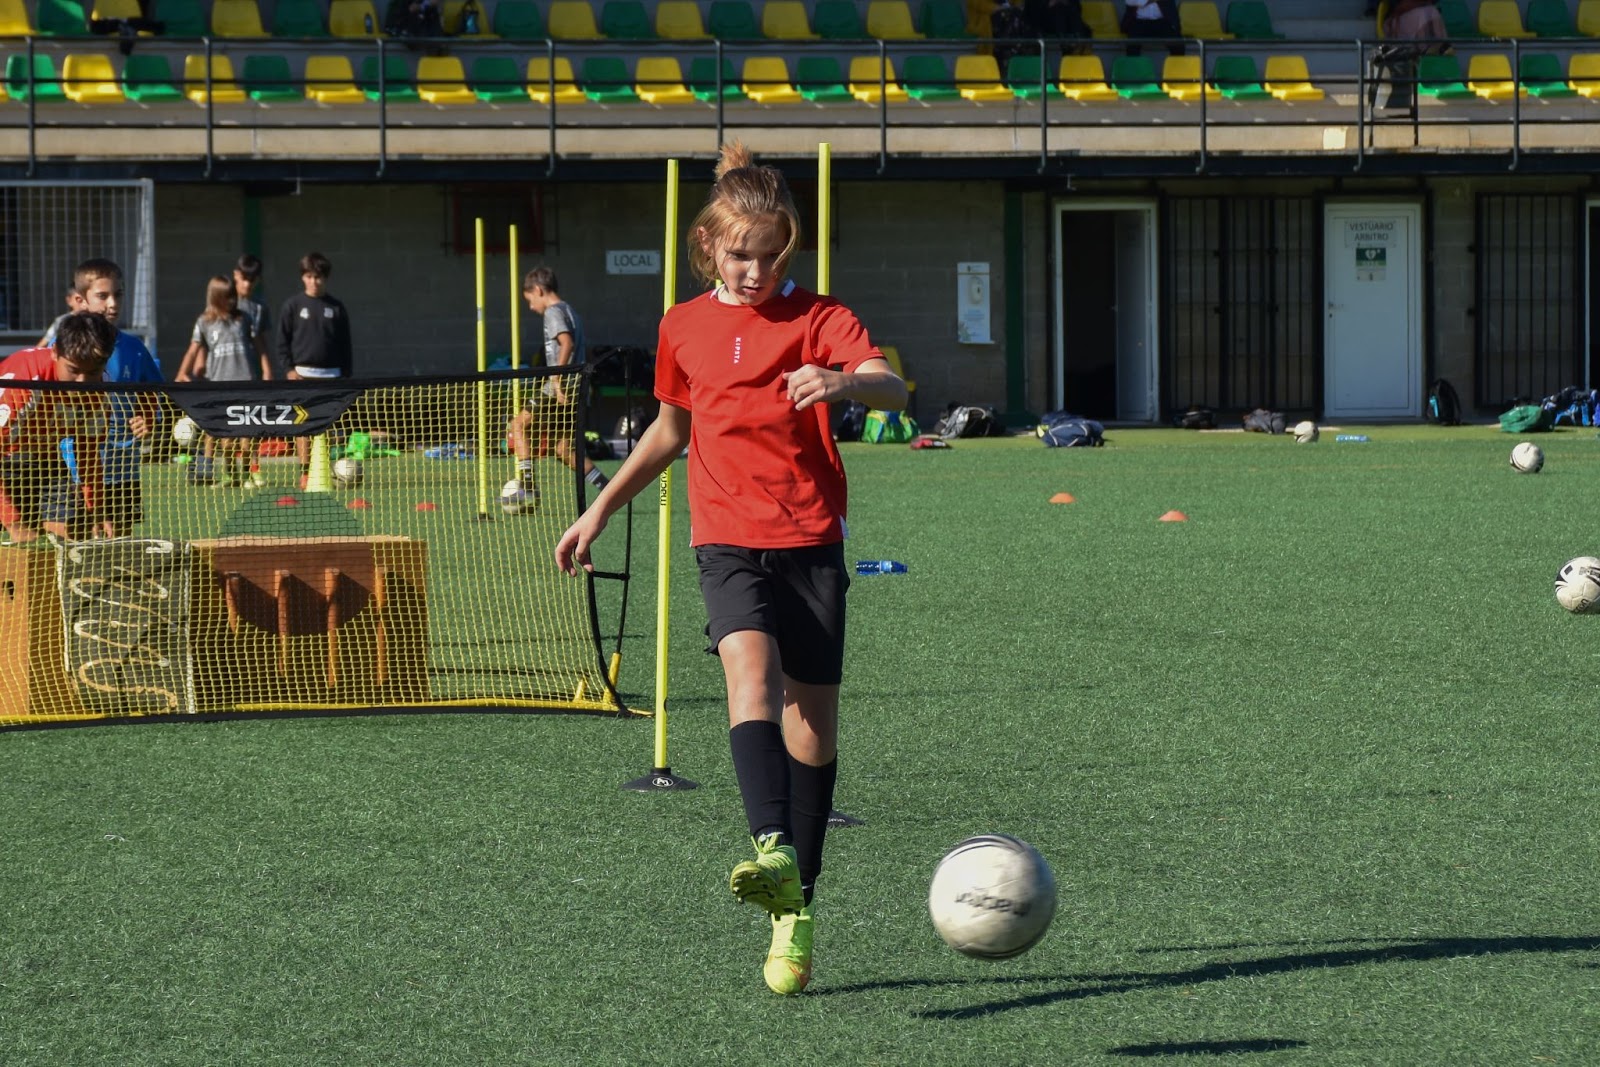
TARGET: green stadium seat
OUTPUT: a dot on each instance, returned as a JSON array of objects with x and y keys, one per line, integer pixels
[
  {"x": 1134, "y": 78},
  {"x": 837, "y": 20},
  {"x": 928, "y": 78},
  {"x": 498, "y": 80},
  {"x": 977, "y": 78},
  {"x": 398, "y": 86},
  {"x": 14, "y": 19},
  {"x": 1238, "y": 78},
  {"x": 1249, "y": 20},
  {"x": 702, "y": 80},
  {"x": 626, "y": 20},
  {"x": 605, "y": 80},
  {"x": 298, "y": 18},
  {"x": 44, "y": 85},
  {"x": 820, "y": 79},
  {"x": 679, "y": 20},
  {"x": 1541, "y": 74},
  {"x": 1023, "y": 76},
  {"x": 1459, "y": 22},
  {"x": 659, "y": 80},
  {"x": 945, "y": 20},
  {"x": 182, "y": 18},
  {"x": 147, "y": 79},
  {"x": 733, "y": 20},
  {"x": 267, "y": 79},
  {"x": 518, "y": 20},
  {"x": 1440, "y": 77},
  {"x": 1550, "y": 18},
  {"x": 90, "y": 79},
  {"x": 61, "y": 18}
]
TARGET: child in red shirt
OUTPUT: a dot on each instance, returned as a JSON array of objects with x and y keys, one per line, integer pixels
[{"x": 745, "y": 374}]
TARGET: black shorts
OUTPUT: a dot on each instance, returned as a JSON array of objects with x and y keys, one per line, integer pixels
[
  {"x": 794, "y": 594},
  {"x": 121, "y": 503}
]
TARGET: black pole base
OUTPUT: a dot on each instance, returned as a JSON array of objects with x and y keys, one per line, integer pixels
[
  {"x": 837, "y": 819},
  {"x": 660, "y": 780}
]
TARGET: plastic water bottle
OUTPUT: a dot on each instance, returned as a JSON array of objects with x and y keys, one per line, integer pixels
[
  {"x": 366, "y": 24},
  {"x": 1352, "y": 437},
  {"x": 865, "y": 567}
]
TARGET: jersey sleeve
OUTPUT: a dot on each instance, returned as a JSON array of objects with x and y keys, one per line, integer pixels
[
  {"x": 839, "y": 339},
  {"x": 672, "y": 386}
]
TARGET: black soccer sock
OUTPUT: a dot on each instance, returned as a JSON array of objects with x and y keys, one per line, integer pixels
[
  {"x": 761, "y": 764},
  {"x": 596, "y": 479},
  {"x": 810, "y": 803}
]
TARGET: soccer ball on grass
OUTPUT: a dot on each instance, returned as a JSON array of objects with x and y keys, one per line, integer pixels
[
  {"x": 992, "y": 897},
  {"x": 1306, "y": 432},
  {"x": 1527, "y": 457},
  {"x": 515, "y": 500},
  {"x": 1578, "y": 585},
  {"x": 347, "y": 472}
]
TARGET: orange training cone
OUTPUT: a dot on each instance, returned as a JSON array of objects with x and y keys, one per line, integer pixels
[
  {"x": 1174, "y": 516},
  {"x": 1063, "y": 498}
]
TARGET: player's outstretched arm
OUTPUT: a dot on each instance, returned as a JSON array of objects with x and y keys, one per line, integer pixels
[
  {"x": 660, "y": 444},
  {"x": 873, "y": 384}
]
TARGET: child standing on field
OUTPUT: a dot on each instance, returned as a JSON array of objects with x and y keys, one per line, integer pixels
[
  {"x": 246, "y": 276},
  {"x": 313, "y": 336},
  {"x": 745, "y": 374},
  {"x": 221, "y": 349}
]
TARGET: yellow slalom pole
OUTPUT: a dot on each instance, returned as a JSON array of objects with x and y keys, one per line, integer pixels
[
  {"x": 669, "y": 292},
  {"x": 516, "y": 321},
  {"x": 824, "y": 216},
  {"x": 483, "y": 365}
]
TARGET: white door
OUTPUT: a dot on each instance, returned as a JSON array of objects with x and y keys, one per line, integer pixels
[{"x": 1372, "y": 334}]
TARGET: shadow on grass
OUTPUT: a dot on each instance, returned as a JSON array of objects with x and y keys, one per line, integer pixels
[
  {"x": 1208, "y": 1048},
  {"x": 1088, "y": 985}
]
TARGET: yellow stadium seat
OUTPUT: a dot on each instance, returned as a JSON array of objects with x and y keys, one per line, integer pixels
[
  {"x": 865, "y": 74},
  {"x": 236, "y": 18},
  {"x": 978, "y": 78},
  {"x": 1200, "y": 18},
  {"x": 766, "y": 81},
  {"x": 331, "y": 80},
  {"x": 1182, "y": 79},
  {"x": 224, "y": 89},
  {"x": 572, "y": 20},
  {"x": 566, "y": 85},
  {"x": 1083, "y": 78},
  {"x": 451, "y": 19},
  {"x": 890, "y": 20},
  {"x": 679, "y": 20},
  {"x": 353, "y": 18},
  {"x": 1501, "y": 18},
  {"x": 786, "y": 20},
  {"x": 1101, "y": 18},
  {"x": 1589, "y": 18},
  {"x": 659, "y": 80},
  {"x": 14, "y": 20},
  {"x": 442, "y": 80},
  {"x": 1583, "y": 74},
  {"x": 90, "y": 79},
  {"x": 891, "y": 354},
  {"x": 1287, "y": 78},
  {"x": 1490, "y": 77},
  {"x": 116, "y": 9}
]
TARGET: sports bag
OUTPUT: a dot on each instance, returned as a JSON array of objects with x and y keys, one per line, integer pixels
[
  {"x": 1444, "y": 407},
  {"x": 888, "y": 427},
  {"x": 1196, "y": 418},
  {"x": 968, "y": 420},
  {"x": 849, "y": 419},
  {"x": 1062, "y": 429},
  {"x": 1263, "y": 421},
  {"x": 1527, "y": 418}
]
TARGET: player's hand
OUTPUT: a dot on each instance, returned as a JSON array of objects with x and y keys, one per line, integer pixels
[
  {"x": 139, "y": 425},
  {"x": 293, "y": 376},
  {"x": 813, "y": 385},
  {"x": 572, "y": 551}
]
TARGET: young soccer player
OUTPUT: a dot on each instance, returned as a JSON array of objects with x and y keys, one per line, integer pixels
[
  {"x": 221, "y": 350},
  {"x": 36, "y": 487},
  {"x": 745, "y": 374},
  {"x": 563, "y": 347},
  {"x": 246, "y": 276},
  {"x": 313, "y": 336}
]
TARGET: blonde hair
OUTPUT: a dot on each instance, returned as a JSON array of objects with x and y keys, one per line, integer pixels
[
  {"x": 744, "y": 197},
  {"x": 222, "y": 300}
]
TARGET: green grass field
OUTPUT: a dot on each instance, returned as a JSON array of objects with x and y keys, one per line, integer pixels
[{"x": 1316, "y": 771}]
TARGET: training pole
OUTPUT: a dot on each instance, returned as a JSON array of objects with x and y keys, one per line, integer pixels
[
  {"x": 516, "y": 319},
  {"x": 661, "y": 776},
  {"x": 824, "y": 272},
  {"x": 483, "y": 386}
]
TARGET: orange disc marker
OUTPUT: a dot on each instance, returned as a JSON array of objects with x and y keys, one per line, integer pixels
[
  {"x": 1063, "y": 498},
  {"x": 427, "y": 505},
  {"x": 1174, "y": 516}
]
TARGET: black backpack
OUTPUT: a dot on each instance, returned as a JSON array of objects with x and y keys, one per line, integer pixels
[
  {"x": 1444, "y": 408},
  {"x": 1263, "y": 421},
  {"x": 968, "y": 420},
  {"x": 1062, "y": 429},
  {"x": 1196, "y": 418},
  {"x": 849, "y": 420}
]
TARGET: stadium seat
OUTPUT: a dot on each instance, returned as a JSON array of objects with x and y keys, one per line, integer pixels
[
  {"x": 1025, "y": 77},
  {"x": 1440, "y": 77},
  {"x": 1288, "y": 78},
  {"x": 1134, "y": 78},
  {"x": 90, "y": 79},
  {"x": 223, "y": 88},
  {"x": 572, "y": 20},
  {"x": 397, "y": 86},
  {"x": 518, "y": 20},
  {"x": 1489, "y": 77},
  {"x": 1588, "y": 18},
  {"x": 453, "y": 21},
  {"x": 926, "y": 77},
  {"x": 331, "y": 80},
  {"x": 679, "y": 20},
  {"x": 659, "y": 80},
  {"x": 1101, "y": 18},
  {"x": 267, "y": 79},
  {"x": 61, "y": 18},
  {"x": 14, "y": 20},
  {"x": 626, "y": 20},
  {"x": 236, "y": 18},
  {"x": 1238, "y": 78},
  {"x": 890, "y": 20},
  {"x": 820, "y": 80},
  {"x": 147, "y": 79},
  {"x": 1459, "y": 22},
  {"x": 730, "y": 20},
  {"x": 873, "y": 81},
  {"x": 43, "y": 85},
  {"x": 1182, "y": 79},
  {"x": 1249, "y": 20},
  {"x": 946, "y": 20},
  {"x": 353, "y": 18},
  {"x": 553, "y": 84},
  {"x": 1550, "y": 18},
  {"x": 605, "y": 80},
  {"x": 766, "y": 80},
  {"x": 1541, "y": 75},
  {"x": 977, "y": 78},
  {"x": 891, "y": 355},
  {"x": 441, "y": 80},
  {"x": 298, "y": 18},
  {"x": 1200, "y": 18},
  {"x": 1501, "y": 18},
  {"x": 837, "y": 20},
  {"x": 498, "y": 80},
  {"x": 116, "y": 9},
  {"x": 1583, "y": 74},
  {"x": 786, "y": 20},
  {"x": 703, "y": 79},
  {"x": 182, "y": 18},
  {"x": 1083, "y": 78}
]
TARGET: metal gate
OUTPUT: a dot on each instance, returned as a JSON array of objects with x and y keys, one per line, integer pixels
[
  {"x": 1243, "y": 329},
  {"x": 1529, "y": 290}
]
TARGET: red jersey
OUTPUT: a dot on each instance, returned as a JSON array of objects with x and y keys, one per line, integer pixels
[
  {"x": 761, "y": 474},
  {"x": 34, "y": 421}
]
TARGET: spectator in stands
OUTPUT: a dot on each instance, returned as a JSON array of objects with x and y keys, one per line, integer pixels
[
  {"x": 1152, "y": 19},
  {"x": 1060, "y": 19},
  {"x": 1417, "y": 20},
  {"x": 414, "y": 18},
  {"x": 1011, "y": 28}
]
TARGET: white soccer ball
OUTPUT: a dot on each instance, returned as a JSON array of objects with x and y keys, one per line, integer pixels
[
  {"x": 1527, "y": 457},
  {"x": 1306, "y": 432},
  {"x": 347, "y": 472},
  {"x": 1578, "y": 585},
  {"x": 992, "y": 897},
  {"x": 185, "y": 432},
  {"x": 515, "y": 500}
]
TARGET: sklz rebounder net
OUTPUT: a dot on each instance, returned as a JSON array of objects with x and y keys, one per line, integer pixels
[{"x": 197, "y": 568}]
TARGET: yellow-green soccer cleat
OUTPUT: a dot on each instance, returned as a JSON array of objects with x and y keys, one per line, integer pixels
[
  {"x": 788, "y": 966},
  {"x": 771, "y": 880}
]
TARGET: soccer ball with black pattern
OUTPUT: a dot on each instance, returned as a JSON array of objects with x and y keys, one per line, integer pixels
[
  {"x": 516, "y": 500},
  {"x": 992, "y": 897},
  {"x": 347, "y": 472},
  {"x": 1578, "y": 585}
]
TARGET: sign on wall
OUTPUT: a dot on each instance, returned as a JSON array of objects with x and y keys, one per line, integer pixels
[
  {"x": 634, "y": 262},
  {"x": 972, "y": 304}
]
